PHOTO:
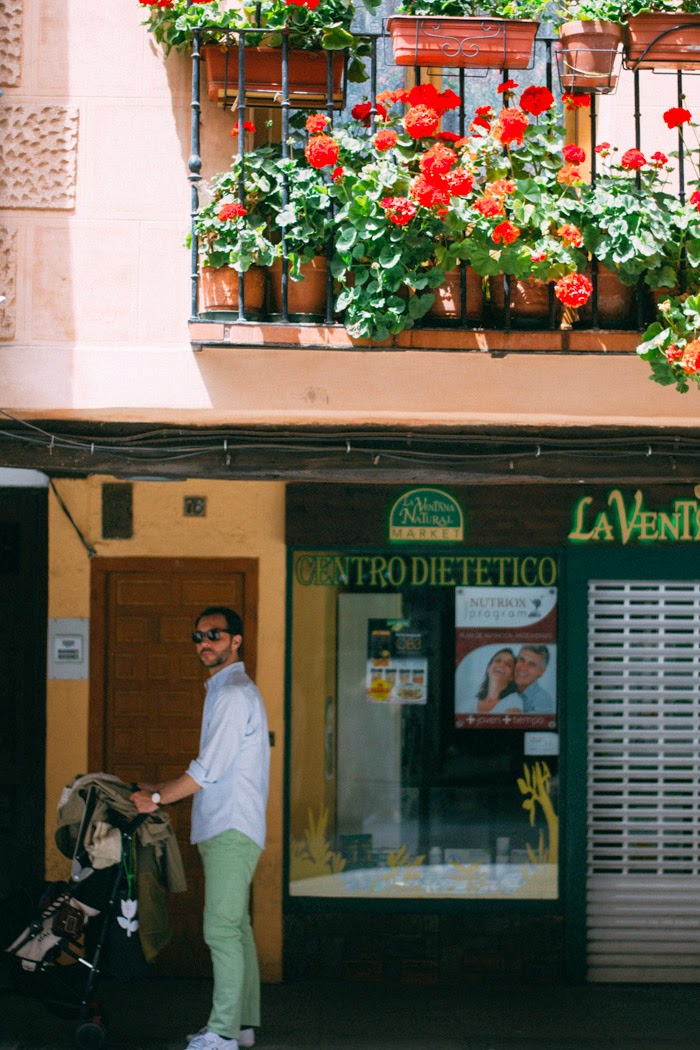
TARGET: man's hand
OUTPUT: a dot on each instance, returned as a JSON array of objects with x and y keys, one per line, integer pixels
[
  {"x": 170, "y": 791},
  {"x": 143, "y": 801}
]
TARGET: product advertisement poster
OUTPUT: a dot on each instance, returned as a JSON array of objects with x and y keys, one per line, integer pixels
[
  {"x": 506, "y": 658},
  {"x": 397, "y": 663}
]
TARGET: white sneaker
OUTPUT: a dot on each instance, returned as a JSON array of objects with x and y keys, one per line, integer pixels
[
  {"x": 211, "y": 1041},
  {"x": 246, "y": 1036}
]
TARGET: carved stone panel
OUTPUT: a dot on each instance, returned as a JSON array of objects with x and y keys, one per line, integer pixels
[
  {"x": 40, "y": 151},
  {"x": 10, "y": 42},
  {"x": 8, "y": 281}
]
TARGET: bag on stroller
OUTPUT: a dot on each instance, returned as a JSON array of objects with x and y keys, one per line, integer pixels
[{"x": 91, "y": 924}]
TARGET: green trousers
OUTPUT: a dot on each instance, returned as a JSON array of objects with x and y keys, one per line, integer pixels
[{"x": 229, "y": 861}]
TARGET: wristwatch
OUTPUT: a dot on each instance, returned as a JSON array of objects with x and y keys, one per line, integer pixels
[{"x": 155, "y": 797}]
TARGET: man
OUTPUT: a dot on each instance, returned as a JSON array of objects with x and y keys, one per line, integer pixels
[
  {"x": 531, "y": 663},
  {"x": 229, "y": 781}
]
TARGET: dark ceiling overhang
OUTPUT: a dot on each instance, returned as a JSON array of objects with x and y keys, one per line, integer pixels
[{"x": 73, "y": 448}]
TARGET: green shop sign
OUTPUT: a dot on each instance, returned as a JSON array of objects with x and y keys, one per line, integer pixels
[
  {"x": 624, "y": 522},
  {"x": 438, "y": 570},
  {"x": 426, "y": 516}
]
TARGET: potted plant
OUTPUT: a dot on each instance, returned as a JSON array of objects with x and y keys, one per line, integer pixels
[
  {"x": 465, "y": 33},
  {"x": 314, "y": 29},
  {"x": 634, "y": 224},
  {"x": 590, "y": 35},
  {"x": 230, "y": 243},
  {"x": 662, "y": 34},
  {"x": 527, "y": 212},
  {"x": 671, "y": 344}
]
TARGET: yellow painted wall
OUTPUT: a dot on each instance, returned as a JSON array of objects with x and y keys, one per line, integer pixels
[
  {"x": 313, "y": 680},
  {"x": 243, "y": 519}
]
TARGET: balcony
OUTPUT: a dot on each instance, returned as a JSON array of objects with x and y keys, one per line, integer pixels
[{"x": 495, "y": 323}]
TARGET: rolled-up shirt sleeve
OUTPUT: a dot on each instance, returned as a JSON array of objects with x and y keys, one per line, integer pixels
[{"x": 222, "y": 736}]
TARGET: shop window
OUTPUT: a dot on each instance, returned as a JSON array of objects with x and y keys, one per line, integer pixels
[{"x": 424, "y": 727}]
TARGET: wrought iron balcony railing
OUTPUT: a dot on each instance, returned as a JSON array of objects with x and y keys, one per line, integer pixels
[{"x": 236, "y": 92}]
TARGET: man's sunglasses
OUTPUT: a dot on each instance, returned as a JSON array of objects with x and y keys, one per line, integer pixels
[{"x": 213, "y": 635}]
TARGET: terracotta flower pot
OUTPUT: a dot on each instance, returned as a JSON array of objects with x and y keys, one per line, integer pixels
[
  {"x": 529, "y": 300},
  {"x": 218, "y": 289},
  {"x": 308, "y": 75},
  {"x": 448, "y": 297},
  {"x": 306, "y": 297},
  {"x": 615, "y": 301},
  {"x": 588, "y": 56},
  {"x": 480, "y": 43},
  {"x": 669, "y": 41}
]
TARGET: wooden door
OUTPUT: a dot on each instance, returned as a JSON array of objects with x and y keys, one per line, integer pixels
[{"x": 147, "y": 690}]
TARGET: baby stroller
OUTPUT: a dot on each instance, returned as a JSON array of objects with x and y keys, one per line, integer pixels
[{"x": 110, "y": 917}]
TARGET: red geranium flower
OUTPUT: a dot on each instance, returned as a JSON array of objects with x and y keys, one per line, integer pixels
[
  {"x": 658, "y": 159},
  {"x": 539, "y": 257},
  {"x": 447, "y": 136},
  {"x": 573, "y": 154},
  {"x": 505, "y": 232},
  {"x": 399, "y": 95},
  {"x": 690, "y": 360},
  {"x": 536, "y": 100},
  {"x": 428, "y": 95},
  {"x": 460, "y": 181},
  {"x": 247, "y": 126},
  {"x": 447, "y": 100},
  {"x": 633, "y": 160},
  {"x": 231, "y": 211},
  {"x": 362, "y": 112},
  {"x": 676, "y": 116},
  {"x": 337, "y": 174},
  {"x": 674, "y": 353},
  {"x": 489, "y": 206},
  {"x": 430, "y": 192},
  {"x": 695, "y": 199},
  {"x": 603, "y": 149},
  {"x": 569, "y": 176},
  {"x": 385, "y": 139},
  {"x": 507, "y": 85},
  {"x": 399, "y": 210},
  {"x": 510, "y": 126},
  {"x": 437, "y": 160},
  {"x": 570, "y": 234},
  {"x": 316, "y": 123},
  {"x": 499, "y": 188},
  {"x": 480, "y": 122},
  {"x": 573, "y": 290},
  {"x": 421, "y": 122},
  {"x": 321, "y": 151},
  {"x": 575, "y": 101},
  {"x": 311, "y": 4}
]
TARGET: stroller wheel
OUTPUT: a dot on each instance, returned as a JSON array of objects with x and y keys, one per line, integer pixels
[{"x": 91, "y": 1035}]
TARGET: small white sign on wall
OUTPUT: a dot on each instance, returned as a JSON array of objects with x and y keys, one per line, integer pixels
[{"x": 68, "y": 649}]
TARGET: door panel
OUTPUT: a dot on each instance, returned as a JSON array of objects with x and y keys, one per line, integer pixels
[{"x": 147, "y": 690}]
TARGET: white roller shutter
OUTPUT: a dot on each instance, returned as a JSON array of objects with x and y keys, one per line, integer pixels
[{"x": 643, "y": 874}]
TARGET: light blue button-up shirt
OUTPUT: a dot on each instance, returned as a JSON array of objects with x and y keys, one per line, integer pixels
[{"x": 233, "y": 765}]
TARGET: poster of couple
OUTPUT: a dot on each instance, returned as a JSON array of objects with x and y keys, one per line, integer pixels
[{"x": 506, "y": 658}]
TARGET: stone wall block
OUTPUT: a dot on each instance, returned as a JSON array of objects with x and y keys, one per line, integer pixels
[
  {"x": 8, "y": 281},
  {"x": 39, "y": 156},
  {"x": 10, "y": 42}
]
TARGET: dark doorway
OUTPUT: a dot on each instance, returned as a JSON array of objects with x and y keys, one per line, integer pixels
[{"x": 23, "y": 624}]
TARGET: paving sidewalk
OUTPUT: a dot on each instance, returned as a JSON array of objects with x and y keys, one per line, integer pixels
[{"x": 156, "y": 1014}]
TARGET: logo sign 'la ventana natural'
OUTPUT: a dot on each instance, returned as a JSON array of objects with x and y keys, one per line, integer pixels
[{"x": 426, "y": 516}]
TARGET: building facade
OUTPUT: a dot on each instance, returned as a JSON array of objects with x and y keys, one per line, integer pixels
[{"x": 389, "y": 518}]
